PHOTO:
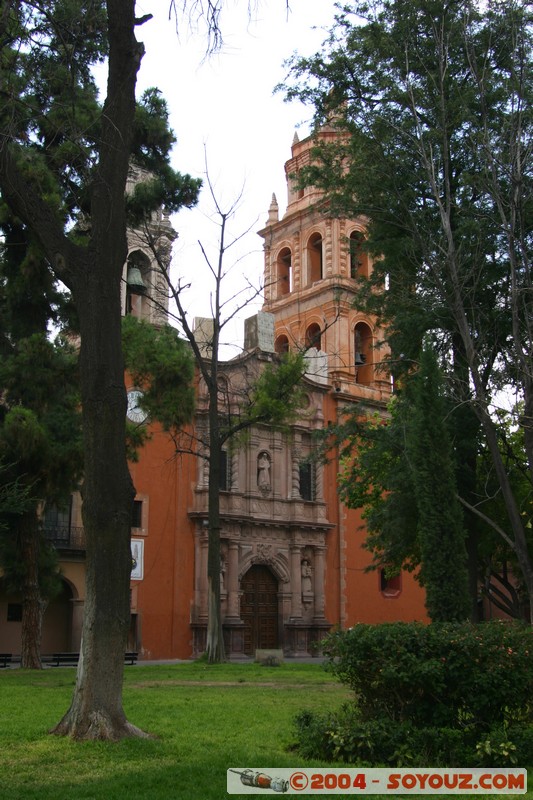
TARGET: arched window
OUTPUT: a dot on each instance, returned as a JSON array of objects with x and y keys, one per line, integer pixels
[
  {"x": 358, "y": 256},
  {"x": 313, "y": 336},
  {"x": 281, "y": 345},
  {"x": 284, "y": 272},
  {"x": 363, "y": 353},
  {"x": 314, "y": 258}
]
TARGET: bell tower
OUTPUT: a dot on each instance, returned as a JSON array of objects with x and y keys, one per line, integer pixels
[
  {"x": 312, "y": 262},
  {"x": 144, "y": 290}
]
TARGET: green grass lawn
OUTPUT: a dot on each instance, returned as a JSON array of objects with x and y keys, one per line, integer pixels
[{"x": 205, "y": 719}]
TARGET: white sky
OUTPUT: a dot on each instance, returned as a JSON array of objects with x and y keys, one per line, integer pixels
[{"x": 224, "y": 108}]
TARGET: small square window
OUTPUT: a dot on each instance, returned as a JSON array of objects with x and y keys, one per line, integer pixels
[
  {"x": 14, "y": 612},
  {"x": 390, "y": 587}
]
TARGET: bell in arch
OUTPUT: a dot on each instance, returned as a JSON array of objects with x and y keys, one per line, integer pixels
[{"x": 134, "y": 280}]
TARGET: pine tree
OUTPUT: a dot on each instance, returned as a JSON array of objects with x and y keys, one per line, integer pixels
[
  {"x": 40, "y": 424},
  {"x": 64, "y": 162}
]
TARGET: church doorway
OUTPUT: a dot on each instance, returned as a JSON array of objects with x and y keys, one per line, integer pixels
[{"x": 259, "y": 609}]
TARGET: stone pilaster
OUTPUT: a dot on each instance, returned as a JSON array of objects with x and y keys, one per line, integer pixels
[
  {"x": 232, "y": 580},
  {"x": 200, "y": 572},
  {"x": 296, "y": 581},
  {"x": 320, "y": 559}
]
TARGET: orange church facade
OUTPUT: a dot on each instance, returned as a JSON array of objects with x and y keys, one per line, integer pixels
[{"x": 293, "y": 565}]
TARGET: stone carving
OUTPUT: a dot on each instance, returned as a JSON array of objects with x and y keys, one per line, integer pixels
[
  {"x": 222, "y": 573},
  {"x": 306, "y": 577},
  {"x": 307, "y": 583},
  {"x": 263, "y": 472},
  {"x": 264, "y": 551}
]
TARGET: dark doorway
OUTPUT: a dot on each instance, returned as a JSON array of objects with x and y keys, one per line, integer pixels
[{"x": 259, "y": 609}]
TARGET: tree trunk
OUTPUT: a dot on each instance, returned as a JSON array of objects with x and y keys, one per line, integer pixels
[
  {"x": 32, "y": 603},
  {"x": 93, "y": 273},
  {"x": 215, "y": 637},
  {"x": 96, "y": 711},
  {"x": 215, "y": 650}
]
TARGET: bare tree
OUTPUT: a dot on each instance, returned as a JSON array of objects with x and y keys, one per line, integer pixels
[{"x": 269, "y": 396}]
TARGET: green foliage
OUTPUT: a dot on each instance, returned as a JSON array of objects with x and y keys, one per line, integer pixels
[
  {"x": 40, "y": 422},
  {"x": 278, "y": 393},
  {"x": 29, "y": 296},
  {"x": 444, "y": 674},
  {"x": 376, "y": 476},
  {"x": 160, "y": 364},
  {"x": 446, "y": 694},
  {"x": 46, "y": 73},
  {"x": 440, "y": 530},
  {"x": 153, "y": 140},
  {"x": 14, "y": 496},
  {"x": 14, "y": 566},
  {"x": 401, "y": 470},
  {"x": 343, "y": 736},
  {"x": 432, "y": 102},
  {"x": 55, "y": 114}
]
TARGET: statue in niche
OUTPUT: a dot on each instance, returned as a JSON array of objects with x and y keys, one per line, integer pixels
[
  {"x": 263, "y": 472},
  {"x": 307, "y": 572},
  {"x": 222, "y": 573}
]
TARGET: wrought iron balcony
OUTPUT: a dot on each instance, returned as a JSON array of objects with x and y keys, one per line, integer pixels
[{"x": 65, "y": 537}]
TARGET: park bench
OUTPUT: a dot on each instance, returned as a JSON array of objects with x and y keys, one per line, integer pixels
[
  {"x": 5, "y": 659},
  {"x": 131, "y": 657},
  {"x": 71, "y": 659},
  {"x": 64, "y": 659}
]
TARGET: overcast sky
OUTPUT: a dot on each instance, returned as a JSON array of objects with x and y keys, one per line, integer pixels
[{"x": 223, "y": 108}]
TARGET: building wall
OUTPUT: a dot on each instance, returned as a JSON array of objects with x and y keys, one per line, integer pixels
[
  {"x": 353, "y": 593},
  {"x": 161, "y": 599},
  {"x": 292, "y": 560}
]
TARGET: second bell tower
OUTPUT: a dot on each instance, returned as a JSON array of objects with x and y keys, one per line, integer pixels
[{"x": 312, "y": 263}]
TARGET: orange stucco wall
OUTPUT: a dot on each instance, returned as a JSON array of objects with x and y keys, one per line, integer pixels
[
  {"x": 161, "y": 600},
  {"x": 353, "y": 594}
]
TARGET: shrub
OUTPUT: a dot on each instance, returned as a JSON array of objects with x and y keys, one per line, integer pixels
[
  {"x": 345, "y": 737},
  {"x": 445, "y": 694},
  {"x": 443, "y": 674},
  {"x": 506, "y": 746}
]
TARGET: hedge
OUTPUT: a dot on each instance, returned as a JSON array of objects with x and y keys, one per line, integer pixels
[
  {"x": 441, "y": 694},
  {"x": 443, "y": 674}
]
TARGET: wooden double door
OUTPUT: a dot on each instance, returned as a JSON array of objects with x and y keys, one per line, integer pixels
[{"x": 259, "y": 609}]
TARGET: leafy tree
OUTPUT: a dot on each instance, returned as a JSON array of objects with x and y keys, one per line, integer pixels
[
  {"x": 40, "y": 438},
  {"x": 13, "y": 497},
  {"x": 40, "y": 432},
  {"x": 64, "y": 162},
  {"x": 432, "y": 103},
  {"x": 161, "y": 364}
]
